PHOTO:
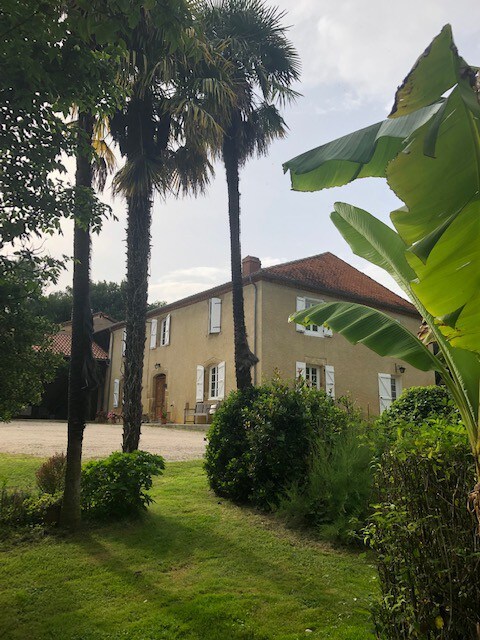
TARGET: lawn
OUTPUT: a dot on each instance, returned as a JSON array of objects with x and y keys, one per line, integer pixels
[{"x": 195, "y": 567}]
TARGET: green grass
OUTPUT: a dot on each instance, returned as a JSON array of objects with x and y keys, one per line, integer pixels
[{"x": 195, "y": 567}]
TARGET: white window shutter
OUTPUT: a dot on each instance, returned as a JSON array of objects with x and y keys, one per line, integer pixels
[
  {"x": 300, "y": 370},
  {"x": 215, "y": 315},
  {"x": 153, "y": 333},
  {"x": 124, "y": 341},
  {"x": 330, "y": 380},
  {"x": 200, "y": 382},
  {"x": 300, "y": 307},
  {"x": 116, "y": 392},
  {"x": 327, "y": 332},
  {"x": 167, "y": 330},
  {"x": 384, "y": 391},
  {"x": 221, "y": 381}
]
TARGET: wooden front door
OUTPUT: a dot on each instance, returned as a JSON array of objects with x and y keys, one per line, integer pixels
[{"x": 160, "y": 386}]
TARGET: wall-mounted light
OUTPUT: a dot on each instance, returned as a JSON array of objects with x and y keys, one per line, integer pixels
[
  {"x": 158, "y": 365},
  {"x": 400, "y": 368}
]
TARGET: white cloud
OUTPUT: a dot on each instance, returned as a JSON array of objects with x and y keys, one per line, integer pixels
[
  {"x": 180, "y": 283},
  {"x": 368, "y": 47},
  {"x": 268, "y": 261}
]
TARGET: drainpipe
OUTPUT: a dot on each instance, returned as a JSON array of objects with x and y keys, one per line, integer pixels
[
  {"x": 109, "y": 366},
  {"x": 254, "y": 328}
]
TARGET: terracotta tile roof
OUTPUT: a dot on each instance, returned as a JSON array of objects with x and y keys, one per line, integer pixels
[
  {"x": 62, "y": 343},
  {"x": 323, "y": 273},
  {"x": 328, "y": 274}
]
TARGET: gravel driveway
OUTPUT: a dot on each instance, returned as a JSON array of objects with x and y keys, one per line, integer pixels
[{"x": 43, "y": 438}]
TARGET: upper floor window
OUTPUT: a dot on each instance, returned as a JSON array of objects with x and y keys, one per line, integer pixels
[
  {"x": 124, "y": 341},
  {"x": 214, "y": 315},
  {"x": 165, "y": 331},
  {"x": 153, "y": 333},
  {"x": 311, "y": 329}
]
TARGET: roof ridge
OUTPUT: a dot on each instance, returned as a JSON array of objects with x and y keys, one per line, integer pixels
[
  {"x": 350, "y": 266},
  {"x": 397, "y": 303},
  {"x": 285, "y": 264}
]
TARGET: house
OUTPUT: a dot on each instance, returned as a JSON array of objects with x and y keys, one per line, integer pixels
[
  {"x": 189, "y": 347},
  {"x": 54, "y": 404}
]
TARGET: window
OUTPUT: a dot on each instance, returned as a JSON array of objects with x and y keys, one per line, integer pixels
[
  {"x": 312, "y": 329},
  {"x": 216, "y": 380},
  {"x": 165, "y": 331},
  {"x": 153, "y": 334},
  {"x": 311, "y": 374},
  {"x": 215, "y": 315},
  {"x": 124, "y": 341},
  {"x": 116, "y": 393},
  {"x": 389, "y": 389}
]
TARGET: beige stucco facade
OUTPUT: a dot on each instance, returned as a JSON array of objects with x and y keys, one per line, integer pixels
[{"x": 277, "y": 343}]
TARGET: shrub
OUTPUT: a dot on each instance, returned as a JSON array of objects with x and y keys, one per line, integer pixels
[
  {"x": 51, "y": 475},
  {"x": 44, "y": 509},
  {"x": 335, "y": 499},
  {"x": 12, "y": 507},
  {"x": 424, "y": 537},
  {"x": 226, "y": 456},
  {"x": 117, "y": 486},
  {"x": 417, "y": 404},
  {"x": 20, "y": 508},
  {"x": 260, "y": 442}
]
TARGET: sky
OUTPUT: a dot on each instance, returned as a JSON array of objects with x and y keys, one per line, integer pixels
[{"x": 354, "y": 53}]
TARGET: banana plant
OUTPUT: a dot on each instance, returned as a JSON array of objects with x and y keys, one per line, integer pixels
[{"x": 428, "y": 149}]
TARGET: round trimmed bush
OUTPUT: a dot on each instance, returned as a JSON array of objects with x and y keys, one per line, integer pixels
[
  {"x": 417, "y": 404},
  {"x": 260, "y": 441}
]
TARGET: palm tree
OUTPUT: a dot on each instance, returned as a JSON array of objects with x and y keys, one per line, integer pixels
[
  {"x": 165, "y": 133},
  {"x": 265, "y": 64}
]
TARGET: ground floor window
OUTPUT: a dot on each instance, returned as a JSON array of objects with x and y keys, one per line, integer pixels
[
  {"x": 213, "y": 389},
  {"x": 312, "y": 376}
]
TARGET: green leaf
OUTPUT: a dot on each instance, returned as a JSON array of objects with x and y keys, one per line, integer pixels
[
  {"x": 373, "y": 240},
  {"x": 435, "y": 188},
  {"x": 376, "y": 330},
  {"x": 434, "y": 73},
  {"x": 361, "y": 154},
  {"x": 450, "y": 278}
]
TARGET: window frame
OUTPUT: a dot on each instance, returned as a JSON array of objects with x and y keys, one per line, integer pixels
[
  {"x": 165, "y": 331},
  {"x": 213, "y": 369},
  {"x": 309, "y": 368}
]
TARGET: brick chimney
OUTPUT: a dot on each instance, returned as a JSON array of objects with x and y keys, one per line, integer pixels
[{"x": 250, "y": 265}]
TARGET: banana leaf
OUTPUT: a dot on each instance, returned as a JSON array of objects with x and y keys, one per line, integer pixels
[
  {"x": 375, "y": 329},
  {"x": 361, "y": 154}
]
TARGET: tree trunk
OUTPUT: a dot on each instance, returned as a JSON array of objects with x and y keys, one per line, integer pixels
[
  {"x": 138, "y": 255},
  {"x": 82, "y": 364},
  {"x": 244, "y": 358}
]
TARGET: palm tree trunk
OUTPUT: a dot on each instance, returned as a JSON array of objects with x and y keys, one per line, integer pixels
[
  {"x": 138, "y": 255},
  {"x": 244, "y": 358},
  {"x": 82, "y": 365}
]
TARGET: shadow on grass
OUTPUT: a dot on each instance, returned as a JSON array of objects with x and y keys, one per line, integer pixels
[{"x": 189, "y": 608}]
